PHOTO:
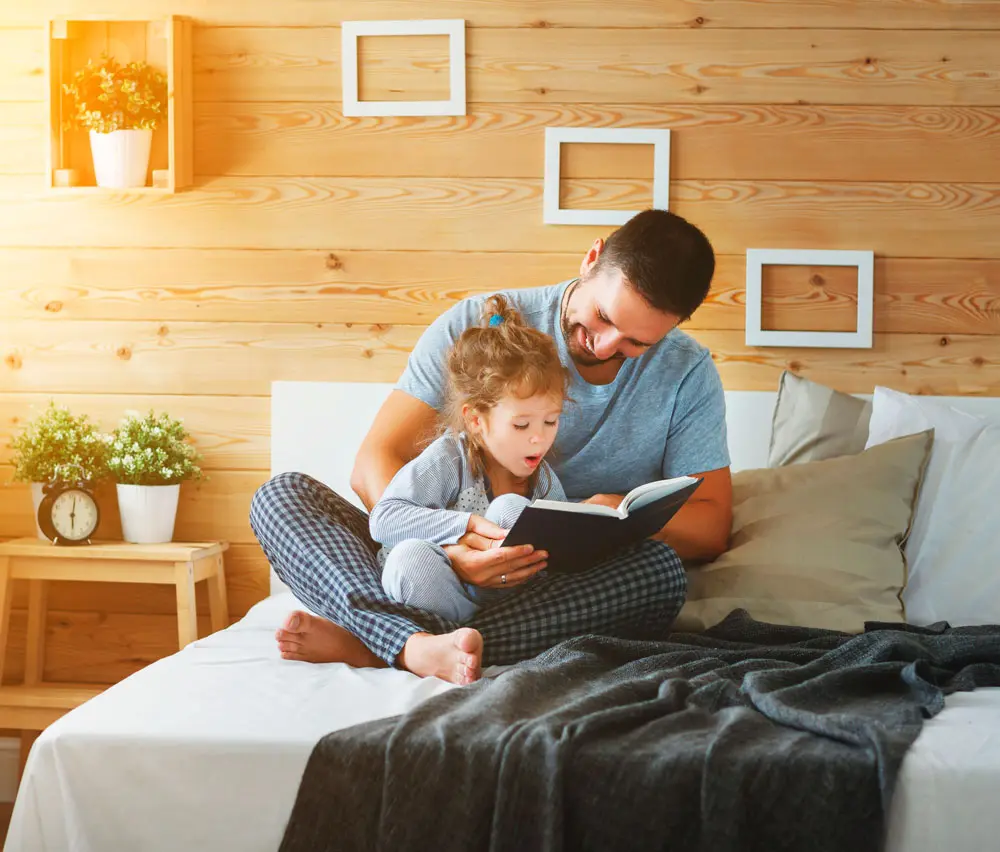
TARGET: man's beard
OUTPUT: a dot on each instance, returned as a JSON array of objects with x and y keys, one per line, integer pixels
[{"x": 580, "y": 354}]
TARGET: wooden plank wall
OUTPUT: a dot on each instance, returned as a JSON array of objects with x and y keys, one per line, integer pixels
[{"x": 316, "y": 246}]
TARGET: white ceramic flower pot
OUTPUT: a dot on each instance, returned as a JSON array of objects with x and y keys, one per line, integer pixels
[
  {"x": 121, "y": 158},
  {"x": 36, "y": 498},
  {"x": 148, "y": 512}
]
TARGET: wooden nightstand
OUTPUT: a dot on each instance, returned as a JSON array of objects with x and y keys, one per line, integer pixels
[{"x": 35, "y": 705}]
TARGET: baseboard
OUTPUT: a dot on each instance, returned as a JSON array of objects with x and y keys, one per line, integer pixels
[{"x": 10, "y": 758}]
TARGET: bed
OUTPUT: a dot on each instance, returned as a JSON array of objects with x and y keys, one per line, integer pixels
[{"x": 204, "y": 750}]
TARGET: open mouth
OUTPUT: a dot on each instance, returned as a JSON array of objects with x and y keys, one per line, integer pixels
[{"x": 532, "y": 461}]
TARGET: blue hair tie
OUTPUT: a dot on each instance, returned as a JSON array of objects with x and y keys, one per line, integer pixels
[{"x": 495, "y": 320}]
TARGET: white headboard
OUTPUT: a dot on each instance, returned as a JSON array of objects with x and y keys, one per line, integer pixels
[{"x": 317, "y": 427}]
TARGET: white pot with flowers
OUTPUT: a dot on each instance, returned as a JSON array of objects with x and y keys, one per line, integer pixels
[
  {"x": 149, "y": 458},
  {"x": 121, "y": 106},
  {"x": 55, "y": 443}
]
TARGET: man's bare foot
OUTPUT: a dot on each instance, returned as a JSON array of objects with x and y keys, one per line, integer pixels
[
  {"x": 455, "y": 657},
  {"x": 315, "y": 640}
]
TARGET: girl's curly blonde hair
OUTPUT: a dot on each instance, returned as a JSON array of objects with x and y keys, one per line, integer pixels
[{"x": 500, "y": 357}]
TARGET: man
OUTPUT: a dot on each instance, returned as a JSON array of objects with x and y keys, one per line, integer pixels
[{"x": 647, "y": 403}]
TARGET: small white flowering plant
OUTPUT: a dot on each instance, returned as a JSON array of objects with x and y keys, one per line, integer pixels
[
  {"x": 154, "y": 449},
  {"x": 113, "y": 96},
  {"x": 58, "y": 443}
]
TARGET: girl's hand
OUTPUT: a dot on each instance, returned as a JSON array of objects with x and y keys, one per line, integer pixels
[{"x": 482, "y": 534}]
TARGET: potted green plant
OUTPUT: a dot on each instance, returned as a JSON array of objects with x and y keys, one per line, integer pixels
[
  {"x": 56, "y": 444},
  {"x": 121, "y": 106},
  {"x": 150, "y": 457}
]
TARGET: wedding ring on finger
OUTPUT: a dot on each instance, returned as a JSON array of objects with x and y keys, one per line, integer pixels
[{"x": 503, "y": 579}]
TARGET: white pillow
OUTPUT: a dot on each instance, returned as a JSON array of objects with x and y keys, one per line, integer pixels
[{"x": 953, "y": 550}]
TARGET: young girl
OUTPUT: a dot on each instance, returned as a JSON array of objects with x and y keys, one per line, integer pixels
[{"x": 506, "y": 388}]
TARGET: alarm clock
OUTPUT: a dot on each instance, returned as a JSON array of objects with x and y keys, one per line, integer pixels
[{"x": 68, "y": 513}]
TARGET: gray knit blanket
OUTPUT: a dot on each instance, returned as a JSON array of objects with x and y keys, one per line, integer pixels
[{"x": 747, "y": 737}]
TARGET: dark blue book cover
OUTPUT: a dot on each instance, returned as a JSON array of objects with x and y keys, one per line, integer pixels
[{"x": 579, "y": 536}]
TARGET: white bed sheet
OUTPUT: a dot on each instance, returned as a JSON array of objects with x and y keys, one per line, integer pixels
[{"x": 204, "y": 751}]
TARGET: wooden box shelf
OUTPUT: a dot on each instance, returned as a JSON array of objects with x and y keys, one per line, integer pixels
[{"x": 165, "y": 44}]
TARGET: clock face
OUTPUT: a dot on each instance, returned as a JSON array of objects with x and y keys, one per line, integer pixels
[{"x": 74, "y": 515}]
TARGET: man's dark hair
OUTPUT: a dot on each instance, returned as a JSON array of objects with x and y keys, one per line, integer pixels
[{"x": 665, "y": 258}]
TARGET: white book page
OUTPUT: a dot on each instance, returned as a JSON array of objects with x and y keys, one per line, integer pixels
[
  {"x": 582, "y": 508},
  {"x": 642, "y": 495}
]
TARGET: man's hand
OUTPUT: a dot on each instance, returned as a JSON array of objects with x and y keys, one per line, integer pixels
[
  {"x": 479, "y": 559},
  {"x": 610, "y": 500}
]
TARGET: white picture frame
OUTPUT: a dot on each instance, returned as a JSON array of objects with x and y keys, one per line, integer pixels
[
  {"x": 351, "y": 31},
  {"x": 861, "y": 338},
  {"x": 556, "y": 137}
]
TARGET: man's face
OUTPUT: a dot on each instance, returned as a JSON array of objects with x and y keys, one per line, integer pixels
[{"x": 606, "y": 320}]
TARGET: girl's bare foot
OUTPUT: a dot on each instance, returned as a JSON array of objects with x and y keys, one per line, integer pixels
[
  {"x": 455, "y": 657},
  {"x": 315, "y": 640}
]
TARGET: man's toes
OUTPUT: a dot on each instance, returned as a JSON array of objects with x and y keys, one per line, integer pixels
[
  {"x": 290, "y": 646},
  {"x": 292, "y": 655},
  {"x": 294, "y": 621}
]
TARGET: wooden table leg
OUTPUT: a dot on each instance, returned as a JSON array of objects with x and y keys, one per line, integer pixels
[
  {"x": 217, "y": 601},
  {"x": 5, "y": 601},
  {"x": 187, "y": 606},
  {"x": 34, "y": 663}
]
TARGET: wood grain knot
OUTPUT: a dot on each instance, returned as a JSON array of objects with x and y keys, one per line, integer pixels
[
  {"x": 944, "y": 341},
  {"x": 699, "y": 89},
  {"x": 979, "y": 361},
  {"x": 124, "y": 353},
  {"x": 817, "y": 280},
  {"x": 540, "y": 25},
  {"x": 367, "y": 353},
  {"x": 698, "y": 22},
  {"x": 13, "y": 361},
  {"x": 54, "y": 306},
  {"x": 163, "y": 331},
  {"x": 333, "y": 262},
  {"x": 541, "y": 90},
  {"x": 794, "y": 366}
]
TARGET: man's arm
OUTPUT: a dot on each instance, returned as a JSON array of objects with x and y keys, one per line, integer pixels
[
  {"x": 401, "y": 426},
  {"x": 700, "y": 529}
]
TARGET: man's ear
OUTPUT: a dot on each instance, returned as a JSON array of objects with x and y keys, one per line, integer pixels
[{"x": 590, "y": 258}]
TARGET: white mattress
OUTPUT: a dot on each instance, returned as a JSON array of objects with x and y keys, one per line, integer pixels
[{"x": 204, "y": 751}]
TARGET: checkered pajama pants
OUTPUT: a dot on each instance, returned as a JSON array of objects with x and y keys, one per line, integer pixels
[{"x": 319, "y": 545}]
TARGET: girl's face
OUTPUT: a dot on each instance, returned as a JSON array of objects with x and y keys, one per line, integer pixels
[{"x": 518, "y": 432}]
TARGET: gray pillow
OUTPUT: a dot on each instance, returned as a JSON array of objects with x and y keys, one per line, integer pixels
[
  {"x": 813, "y": 422},
  {"x": 818, "y": 544}
]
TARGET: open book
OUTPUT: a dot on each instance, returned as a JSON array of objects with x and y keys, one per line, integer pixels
[{"x": 578, "y": 536}]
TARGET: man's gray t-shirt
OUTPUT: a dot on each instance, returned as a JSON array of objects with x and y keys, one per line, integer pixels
[{"x": 664, "y": 415}]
